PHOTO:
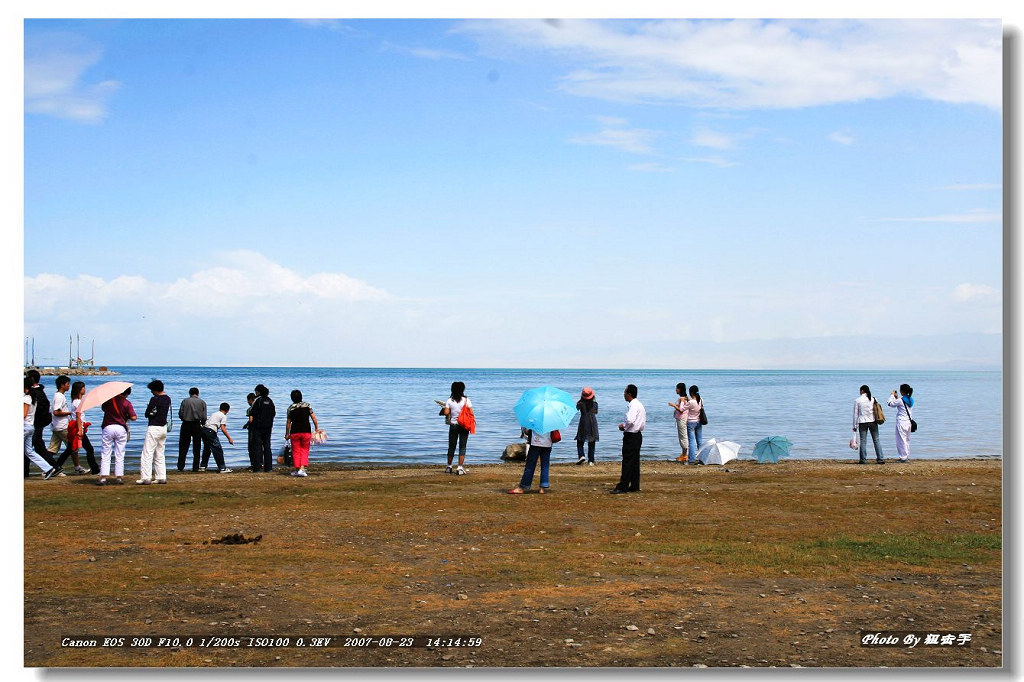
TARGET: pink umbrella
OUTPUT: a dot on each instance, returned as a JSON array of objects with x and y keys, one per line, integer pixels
[{"x": 102, "y": 394}]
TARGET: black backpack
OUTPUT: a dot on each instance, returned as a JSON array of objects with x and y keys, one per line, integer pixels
[{"x": 43, "y": 416}]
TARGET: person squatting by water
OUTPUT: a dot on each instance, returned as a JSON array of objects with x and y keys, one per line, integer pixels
[{"x": 211, "y": 443}]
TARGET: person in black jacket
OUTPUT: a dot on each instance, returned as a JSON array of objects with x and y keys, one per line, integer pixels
[
  {"x": 261, "y": 423},
  {"x": 42, "y": 419}
]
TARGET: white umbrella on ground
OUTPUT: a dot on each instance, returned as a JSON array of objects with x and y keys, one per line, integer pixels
[{"x": 718, "y": 452}]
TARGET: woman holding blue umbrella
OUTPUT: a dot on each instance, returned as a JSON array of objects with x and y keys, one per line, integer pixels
[
  {"x": 540, "y": 449},
  {"x": 543, "y": 411}
]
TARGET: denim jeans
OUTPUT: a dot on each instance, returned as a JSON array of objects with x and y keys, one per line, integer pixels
[
  {"x": 591, "y": 445},
  {"x": 544, "y": 455},
  {"x": 863, "y": 429},
  {"x": 693, "y": 430}
]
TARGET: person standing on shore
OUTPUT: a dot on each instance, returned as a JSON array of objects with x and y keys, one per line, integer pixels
[
  {"x": 29, "y": 418},
  {"x": 680, "y": 413},
  {"x": 586, "y": 430},
  {"x": 902, "y": 402},
  {"x": 540, "y": 448},
  {"x": 59, "y": 426},
  {"x": 864, "y": 422},
  {"x": 117, "y": 412},
  {"x": 211, "y": 443},
  {"x": 78, "y": 428},
  {"x": 632, "y": 438},
  {"x": 153, "y": 467},
  {"x": 255, "y": 464},
  {"x": 192, "y": 413},
  {"x": 42, "y": 420},
  {"x": 694, "y": 427},
  {"x": 456, "y": 433},
  {"x": 263, "y": 412},
  {"x": 297, "y": 429}
]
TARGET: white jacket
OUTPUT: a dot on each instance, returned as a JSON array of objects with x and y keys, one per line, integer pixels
[{"x": 863, "y": 410}]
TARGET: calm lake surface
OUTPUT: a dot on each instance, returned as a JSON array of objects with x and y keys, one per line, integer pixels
[{"x": 387, "y": 416}]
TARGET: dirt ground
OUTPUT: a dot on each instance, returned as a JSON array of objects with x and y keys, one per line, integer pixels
[{"x": 743, "y": 565}]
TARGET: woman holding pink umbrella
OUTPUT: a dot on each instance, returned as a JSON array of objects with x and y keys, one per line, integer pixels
[{"x": 117, "y": 412}]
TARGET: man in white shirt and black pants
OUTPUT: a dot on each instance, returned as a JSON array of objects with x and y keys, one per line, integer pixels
[{"x": 632, "y": 439}]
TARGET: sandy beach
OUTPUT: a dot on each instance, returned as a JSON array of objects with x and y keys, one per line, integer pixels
[{"x": 743, "y": 565}]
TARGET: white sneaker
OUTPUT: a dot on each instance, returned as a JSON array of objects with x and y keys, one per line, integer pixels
[
  {"x": 447, "y": 469},
  {"x": 80, "y": 470},
  {"x": 591, "y": 464},
  {"x": 224, "y": 471},
  {"x": 301, "y": 472},
  {"x": 143, "y": 481},
  {"x": 460, "y": 471}
]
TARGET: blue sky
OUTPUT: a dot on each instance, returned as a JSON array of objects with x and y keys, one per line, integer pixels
[{"x": 580, "y": 193}]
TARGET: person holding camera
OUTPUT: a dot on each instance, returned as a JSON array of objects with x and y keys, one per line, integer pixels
[{"x": 902, "y": 402}]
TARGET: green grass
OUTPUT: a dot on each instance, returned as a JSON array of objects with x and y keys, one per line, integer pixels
[{"x": 917, "y": 550}]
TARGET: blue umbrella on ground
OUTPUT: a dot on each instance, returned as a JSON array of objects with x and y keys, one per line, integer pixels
[
  {"x": 545, "y": 409},
  {"x": 771, "y": 448}
]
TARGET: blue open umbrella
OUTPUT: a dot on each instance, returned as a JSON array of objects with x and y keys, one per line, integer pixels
[
  {"x": 545, "y": 409},
  {"x": 771, "y": 448}
]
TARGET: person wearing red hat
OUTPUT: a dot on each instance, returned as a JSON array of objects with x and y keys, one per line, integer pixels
[{"x": 586, "y": 431}]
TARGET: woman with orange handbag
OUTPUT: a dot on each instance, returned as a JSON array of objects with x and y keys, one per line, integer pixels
[{"x": 457, "y": 433}]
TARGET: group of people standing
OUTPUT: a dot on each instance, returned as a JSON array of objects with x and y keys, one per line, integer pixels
[
  {"x": 868, "y": 414},
  {"x": 198, "y": 430}
]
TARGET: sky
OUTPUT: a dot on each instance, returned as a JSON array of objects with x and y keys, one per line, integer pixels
[{"x": 515, "y": 193}]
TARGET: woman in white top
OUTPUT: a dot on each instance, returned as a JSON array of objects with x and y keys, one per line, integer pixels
[
  {"x": 902, "y": 402},
  {"x": 29, "y": 416},
  {"x": 456, "y": 434},
  {"x": 863, "y": 422}
]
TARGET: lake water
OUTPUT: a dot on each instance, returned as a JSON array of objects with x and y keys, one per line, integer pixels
[{"x": 387, "y": 416}]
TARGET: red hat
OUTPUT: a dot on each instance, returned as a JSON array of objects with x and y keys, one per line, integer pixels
[{"x": 588, "y": 393}]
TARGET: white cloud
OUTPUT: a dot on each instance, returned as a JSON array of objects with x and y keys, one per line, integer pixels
[
  {"x": 973, "y": 292},
  {"x": 245, "y": 282},
  {"x": 651, "y": 168},
  {"x": 841, "y": 138},
  {"x": 55, "y": 84},
  {"x": 705, "y": 137},
  {"x": 433, "y": 54},
  {"x": 631, "y": 140},
  {"x": 741, "y": 64},
  {"x": 712, "y": 160}
]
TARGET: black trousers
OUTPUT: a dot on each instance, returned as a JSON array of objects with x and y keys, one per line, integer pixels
[
  {"x": 211, "y": 443},
  {"x": 40, "y": 447},
  {"x": 591, "y": 445},
  {"x": 190, "y": 433},
  {"x": 255, "y": 455},
  {"x": 630, "y": 478},
  {"x": 89, "y": 453},
  {"x": 263, "y": 452},
  {"x": 457, "y": 434}
]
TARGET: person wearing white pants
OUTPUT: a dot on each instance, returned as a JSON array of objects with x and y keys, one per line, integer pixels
[
  {"x": 116, "y": 413},
  {"x": 29, "y": 415},
  {"x": 902, "y": 402},
  {"x": 153, "y": 467}
]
